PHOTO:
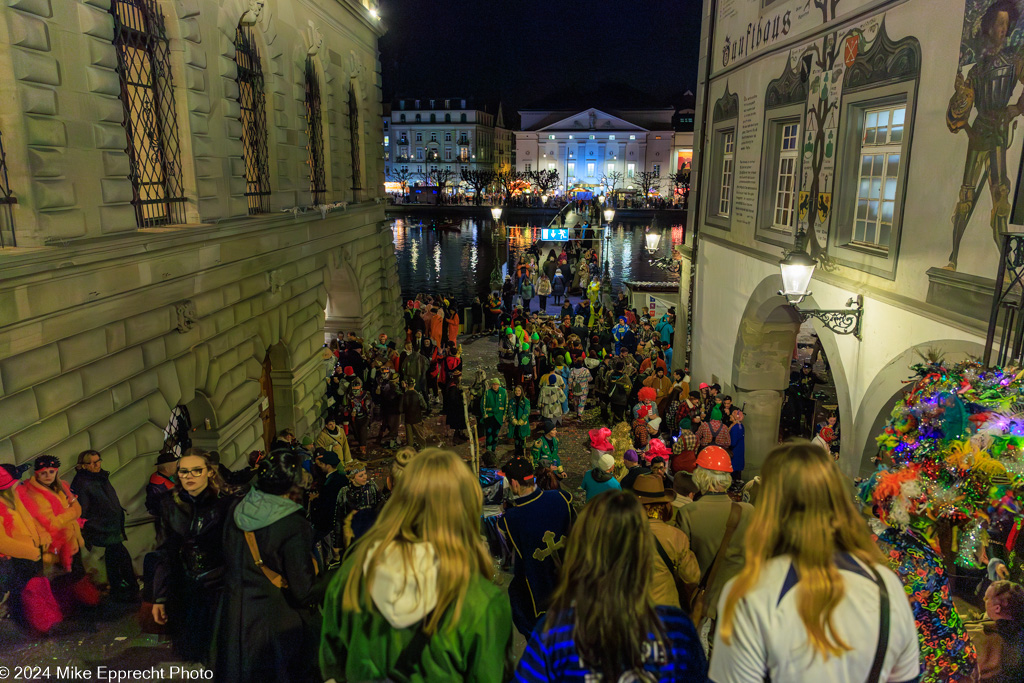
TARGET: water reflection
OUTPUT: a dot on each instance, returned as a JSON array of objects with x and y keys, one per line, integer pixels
[{"x": 462, "y": 263}]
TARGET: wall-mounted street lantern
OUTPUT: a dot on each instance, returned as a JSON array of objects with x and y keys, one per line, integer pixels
[
  {"x": 797, "y": 268},
  {"x": 496, "y": 213}
]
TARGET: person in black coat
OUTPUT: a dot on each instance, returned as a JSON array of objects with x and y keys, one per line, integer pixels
[
  {"x": 268, "y": 628},
  {"x": 104, "y": 524},
  {"x": 189, "y": 564},
  {"x": 323, "y": 507}
]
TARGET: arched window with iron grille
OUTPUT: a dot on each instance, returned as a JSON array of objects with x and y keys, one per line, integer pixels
[
  {"x": 252, "y": 103},
  {"x": 314, "y": 135},
  {"x": 355, "y": 147},
  {"x": 147, "y": 94}
]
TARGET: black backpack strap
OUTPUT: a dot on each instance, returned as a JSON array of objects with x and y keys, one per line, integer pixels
[
  {"x": 410, "y": 658},
  {"x": 883, "y": 629}
]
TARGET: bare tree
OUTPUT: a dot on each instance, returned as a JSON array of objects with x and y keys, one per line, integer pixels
[
  {"x": 680, "y": 180},
  {"x": 403, "y": 177},
  {"x": 646, "y": 181},
  {"x": 439, "y": 178},
  {"x": 611, "y": 180},
  {"x": 508, "y": 180},
  {"x": 543, "y": 180},
  {"x": 478, "y": 179}
]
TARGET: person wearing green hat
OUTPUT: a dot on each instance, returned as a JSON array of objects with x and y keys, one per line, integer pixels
[
  {"x": 526, "y": 370},
  {"x": 713, "y": 431},
  {"x": 493, "y": 406},
  {"x": 545, "y": 449},
  {"x": 519, "y": 419}
]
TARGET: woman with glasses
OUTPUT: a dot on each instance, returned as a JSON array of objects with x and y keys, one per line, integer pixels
[{"x": 187, "y": 580}]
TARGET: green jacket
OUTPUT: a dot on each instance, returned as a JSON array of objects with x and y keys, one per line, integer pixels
[
  {"x": 494, "y": 404},
  {"x": 547, "y": 449},
  {"x": 520, "y": 419},
  {"x": 365, "y": 647}
]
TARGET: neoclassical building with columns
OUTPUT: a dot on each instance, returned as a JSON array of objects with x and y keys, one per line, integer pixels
[{"x": 190, "y": 197}]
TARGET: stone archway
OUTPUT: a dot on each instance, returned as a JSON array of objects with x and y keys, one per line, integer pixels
[
  {"x": 344, "y": 310},
  {"x": 887, "y": 388},
  {"x": 764, "y": 347}
]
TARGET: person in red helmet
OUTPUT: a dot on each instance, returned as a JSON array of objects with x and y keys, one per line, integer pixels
[{"x": 716, "y": 527}]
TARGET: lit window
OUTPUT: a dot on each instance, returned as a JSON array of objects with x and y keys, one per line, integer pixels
[
  {"x": 571, "y": 137},
  {"x": 632, "y": 137},
  {"x": 611, "y": 137},
  {"x": 150, "y": 122},
  {"x": 551, "y": 166},
  {"x": 630, "y": 170},
  {"x": 611, "y": 168},
  {"x": 657, "y": 170},
  {"x": 570, "y": 169},
  {"x": 785, "y": 182},
  {"x": 592, "y": 137},
  {"x": 314, "y": 133},
  {"x": 725, "y": 192},
  {"x": 253, "y": 113},
  {"x": 590, "y": 169},
  {"x": 551, "y": 137},
  {"x": 880, "y": 153}
]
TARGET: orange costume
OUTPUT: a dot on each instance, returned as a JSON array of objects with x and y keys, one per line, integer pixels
[
  {"x": 21, "y": 536},
  {"x": 434, "y": 327},
  {"x": 59, "y": 514},
  {"x": 453, "y": 326}
]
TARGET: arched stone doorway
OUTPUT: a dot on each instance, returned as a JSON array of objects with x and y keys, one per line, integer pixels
[
  {"x": 765, "y": 342},
  {"x": 888, "y": 387},
  {"x": 344, "y": 310}
]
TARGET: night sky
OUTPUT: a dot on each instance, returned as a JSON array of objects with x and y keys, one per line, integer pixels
[{"x": 528, "y": 50}]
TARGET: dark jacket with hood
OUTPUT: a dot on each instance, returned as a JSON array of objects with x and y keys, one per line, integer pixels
[
  {"x": 101, "y": 508},
  {"x": 266, "y": 633}
]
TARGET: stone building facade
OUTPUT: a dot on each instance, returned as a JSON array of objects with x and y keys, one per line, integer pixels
[
  {"x": 874, "y": 135},
  {"x": 112, "y": 326}
]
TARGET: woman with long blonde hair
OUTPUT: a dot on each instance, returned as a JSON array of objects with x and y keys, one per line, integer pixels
[
  {"x": 814, "y": 601},
  {"x": 602, "y": 623},
  {"x": 414, "y": 599}
]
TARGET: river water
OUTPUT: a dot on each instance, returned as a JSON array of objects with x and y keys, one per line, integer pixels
[{"x": 461, "y": 263}]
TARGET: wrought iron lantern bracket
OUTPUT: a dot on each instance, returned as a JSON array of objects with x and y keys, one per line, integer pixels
[{"x": 840, "y": 320}]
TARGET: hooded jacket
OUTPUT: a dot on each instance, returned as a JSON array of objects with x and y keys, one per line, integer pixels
[
  {"x": 101, "y": 508},
  {"x": 400, "y": 597}
]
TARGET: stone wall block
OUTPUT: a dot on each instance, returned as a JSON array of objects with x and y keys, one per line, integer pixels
[
  {"x": 112, "y": 429},
  {"x": 102, "y": 80},
  {"x": 37, "y": 100},
  {"x": 237, "y": 400},
  {"x": 117, "y": 218},
  {"x": 46, "y": 162},
  {"x": 38, "y": 438},
  {"x": 195, "y": 79},
  {"x": 148, "y": 438},
  {"x": 18, "y": 411},
  {"x": 82, "y": 348},
  {"x": 58, "y": 393},
  {"x": 195, "y": 55},
  {"x": 96, "y": 22},
  {"x": 116, "y": 190},
  {"x": 198, "y": 102},
  {"x": 108, "y": 136},
  {"x": 58, "y": 225},
  {"x": 233, "y": 128},
  {"x": 230, "y": 89},
  {"x": 54, "y": 194},
  {"x": 208, "y": 187},
  {"x": 154, "y": 352},
  {"x": 149, "y": 325},
  {"x": 40, "y": 8},
  {"x": 232, "y": 109},
  {"x": 202, "y": 146},
  {"x": 116, "y": 164},
  {"x": 191, "y": 31},
  {"x": 145, "y": 383},
  {"x": 68, "y": 450},
  {"x": 46, "y": 132},
  {"x": 86, "y": 413},
  {"x": 206, "y": 166},
  {"x": 112, "y": 370},
  {"x": 200, "y": 123},
  {"x": 35, "y": 67},
  {"x": 107, "y": 109},
  {"x": 179, "y": 342},
  {"x": 122, "y": 395},
  {"x": 159, "y": 409},
  {"x": 185, "y": 367},
  {"x": 226, "y": 383},
  {"x": 102, "y": 53},
  {"x": 167, "y": 380},
  {"x": 28, "y": 31},
  {"x": 29, "y": 368},
  {"x": 115, "y": 336}
]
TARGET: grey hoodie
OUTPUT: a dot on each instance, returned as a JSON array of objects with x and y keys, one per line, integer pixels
[{"x": 258, "y": 510}]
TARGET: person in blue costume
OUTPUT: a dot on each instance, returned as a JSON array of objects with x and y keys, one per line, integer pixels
[
  {"x": 536, "y": 524},
  {"x": 619, "y": 333}
]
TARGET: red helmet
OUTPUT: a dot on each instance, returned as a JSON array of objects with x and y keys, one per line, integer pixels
[{"x": 714, "y": 458}]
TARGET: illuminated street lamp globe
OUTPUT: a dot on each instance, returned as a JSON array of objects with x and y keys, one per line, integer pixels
[
  {"x": 601, "y": 198},
  {"x": 496, "y": 213},
  {"x": 797, "y": 268},
  {"x": 544, "y": 200},
  {"x": 652, "y": 239},
  {"x": 609, "y": 215}
]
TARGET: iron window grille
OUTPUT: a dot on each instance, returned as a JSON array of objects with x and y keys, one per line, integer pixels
[
  {"x": 353, "y": 127},
  {"x": 253, "y": 113},
  {"x": 147, "y": 95},
  {"x": 7, "y": 201},
  {"x": 314, "y": 134}
]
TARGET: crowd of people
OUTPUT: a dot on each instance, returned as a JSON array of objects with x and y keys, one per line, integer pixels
[{"x": 665, "y": 564}]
